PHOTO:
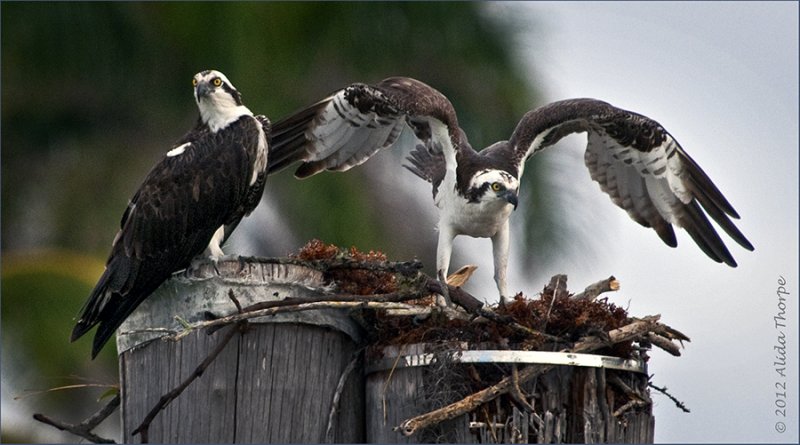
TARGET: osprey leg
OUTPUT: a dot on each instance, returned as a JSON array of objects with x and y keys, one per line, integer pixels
[
  {"x": 444, "y": 249},
  {"x": 500, "y": 252}
]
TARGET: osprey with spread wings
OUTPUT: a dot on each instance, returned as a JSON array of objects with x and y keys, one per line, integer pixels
[{"x": 634, "y": 159}]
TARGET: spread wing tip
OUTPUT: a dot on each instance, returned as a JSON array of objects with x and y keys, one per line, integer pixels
[
  {"x": 714, "y": 203},
  {"x": 702, "y": 232}
]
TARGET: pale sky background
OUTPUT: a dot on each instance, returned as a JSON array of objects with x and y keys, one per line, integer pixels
[{"x": 722, "y": 78}]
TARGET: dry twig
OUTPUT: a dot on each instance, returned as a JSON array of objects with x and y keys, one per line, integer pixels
[
  {"x": 634, "y": 403},
  {"x": 84, "y": 429},
  {"x": 663, "y": 343},
  {"x": 591, "y": 292},
  {"x": 162, "y": 403},
  {"x": 516, "y": 392},
  {"x": 338, "y": 394},
  {"x": 677, "y": 402},
  {"x": 277, "y": 309}
]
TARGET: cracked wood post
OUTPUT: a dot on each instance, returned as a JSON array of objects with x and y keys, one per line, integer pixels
[
  {"x": 572, "y": 404},
  {"x": 273, "y": 384}
]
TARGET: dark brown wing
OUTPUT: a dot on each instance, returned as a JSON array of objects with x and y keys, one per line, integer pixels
[
  {"x": 428, "y": 165},
  {"x": 640, "y": 166}
]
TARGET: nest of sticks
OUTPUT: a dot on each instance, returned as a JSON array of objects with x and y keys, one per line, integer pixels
[{"x": 554, "y": 320}]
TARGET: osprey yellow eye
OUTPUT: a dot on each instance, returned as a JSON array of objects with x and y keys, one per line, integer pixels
[
  {"x": 217, "y": 82},
  {"x": 496, "y": 186},
  {"x": 194, "y": 82}
]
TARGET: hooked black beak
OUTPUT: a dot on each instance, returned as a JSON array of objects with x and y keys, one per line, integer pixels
[
  {"x": 204, "y": 89},
  {"x": 511, "y": 197}
]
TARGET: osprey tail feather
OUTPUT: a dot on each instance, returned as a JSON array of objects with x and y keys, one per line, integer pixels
[{"x": 118, "y": 292}]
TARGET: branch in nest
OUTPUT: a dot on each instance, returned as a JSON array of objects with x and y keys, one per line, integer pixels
[
  {"x": 636, "y": 399},
  {"x": 615, "y": 380},
  {"x": 278, "y": 309},
  {"x": 516, "y": 392},
  {"x": 475, "y": 307},
  {"x": 631, "y": 404},
  {"x": 668, "y": 332},
  {"x": 636, "y": 329},
  {"x": 671, "y": 333},
  {"x": 84, "y": 429},
  {"x": 471, "y": 402},
  {"x": 423, "y": 285},
  {"x": 457, "y": 295},
  {"x": 592, "y": 291},
  {"x": 662, "y": 336},
  {"x": 392, "y": 297},
  {"x": 423, "y": 312},
  {"x": 663, "y": 343}
]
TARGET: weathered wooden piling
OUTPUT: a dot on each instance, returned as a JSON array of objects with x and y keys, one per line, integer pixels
[
  {"x": 580, "y": 400},
  {"x": 274, "y": 383}
]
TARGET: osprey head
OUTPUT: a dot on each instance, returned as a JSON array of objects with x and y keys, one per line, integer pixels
[
  {"x": 494, "y": 186},
  {"x": 219, "y": 102}
]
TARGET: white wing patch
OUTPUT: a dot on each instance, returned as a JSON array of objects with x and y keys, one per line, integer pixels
[
  {"x": 677, "y": 175},
  {"x": 663, "y": 198},
  {"x": 178, "y": 150},
  {"x": 637, "y": 181},
  {"x": 441, "y": 137},
  {"x": 345, "y": 137}
]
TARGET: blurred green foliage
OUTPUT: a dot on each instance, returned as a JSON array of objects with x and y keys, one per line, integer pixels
[
  {"x": 94, "y": 92},
  {"x": 33, "y": 287},
  {"x": 42, "y": 291}
]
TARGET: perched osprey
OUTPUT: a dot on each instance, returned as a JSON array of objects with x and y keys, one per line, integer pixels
[
  {"x": 187, "y": 206},
  {"x": 635, "y": 161}
]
